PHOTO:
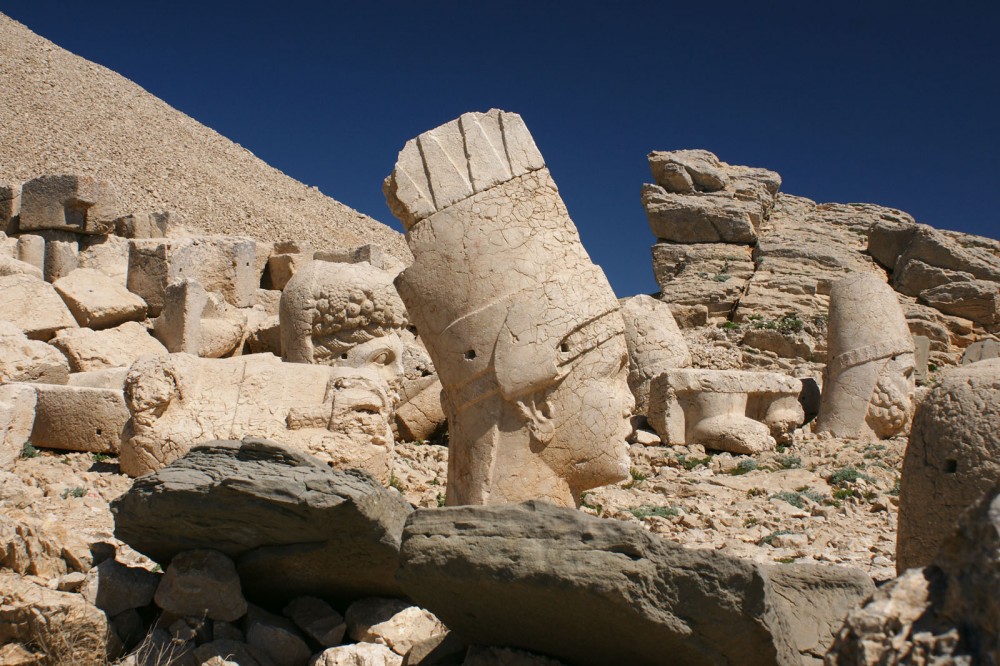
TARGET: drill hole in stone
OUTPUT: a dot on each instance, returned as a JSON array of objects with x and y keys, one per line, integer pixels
[
  {"x": 564, "y": 347},
  {"x": 950, "y": 466},
  {"x": 471, "y": 354}
]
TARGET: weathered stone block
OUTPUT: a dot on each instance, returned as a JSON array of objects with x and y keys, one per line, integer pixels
[
  {"x": 17, "y": 415},
  {"x": 225, "y": 264},
  {"x": 24, "y": 360},
  {"x": 89, "y": 350},
  {"x": 33, "y": 306},
  {"x": 71, "y": 418},
  {"x": 107, "y": 254},
  {"x": 81, "y": 204},
  {"x": 305, "y": 528},
  {"x": 98, "y": 301}
]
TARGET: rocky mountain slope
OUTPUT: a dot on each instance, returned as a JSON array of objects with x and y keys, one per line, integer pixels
[{"x": 62, "y": 113}]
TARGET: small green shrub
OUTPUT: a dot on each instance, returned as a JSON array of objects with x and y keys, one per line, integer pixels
[
  {"x": 79, "y": 491},
  {"x": 440, "y": 499},
  {"x": 721, "y": 277},
  {"x": 587, "y": 503},
  {"x": 693, "y": 461},
  {"x": 756, "y": 492},
  {"x": 750, "y": 522},
  {"x": 843, "y": 493},
  {"x": 790, "y": 323},
  {"x": 795, "y": 499},
  {"x": 846, "y": 475},
  {"x": 29, "y": 451},
  {"x": 729, "y": 325},
  {"x": 784, "y": 560},
  {"x": 395, "y": 483},
  {"x": 101, "y": 457},
  {"x": 744, "y": 466},
  {"x": 789, "y": 462},
  {"x": 894, "y": 491},
  {"x": 647, "y": 510},
  {"x": 637, "y": 476}
]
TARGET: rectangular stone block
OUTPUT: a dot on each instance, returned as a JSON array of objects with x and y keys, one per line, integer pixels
[
  {"x": 145, "y": 225},
  {"x": 33, "y": 306},
  {"x": 30, "y": 249},
  {"x": 62, "y": 253},
  {"x": 10, "y": 207},
  {"x": 220, "y": 263},
  {"x": 71, "y": 418},
  {"x": 17, "y": 414},
  {"x": 106, "y": 254},
  {"x": 81, "y": 204},
  {"x": 98, "y": 301}
]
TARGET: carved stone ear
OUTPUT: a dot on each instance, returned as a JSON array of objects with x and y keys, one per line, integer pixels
[{"x": 537, "y": 411}]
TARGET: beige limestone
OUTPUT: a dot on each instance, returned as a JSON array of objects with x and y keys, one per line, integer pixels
[
  {"x": 420, "y": 413},
  {"x": 17, "y": 415},
  {"x": 346, "y": 315},
  {"x": 953, "y": 458},
  {"x": 369, "y": 254},
  {"x": 62, "y": 253},
  {"x": 10, "y": 206},
  {"x": 868, "y": 384},
  {"x": 226, "y": 264},
  {"x": 107, "y": 254},
  {"x": 72, "y": 418},
  {"x": 655, "y": 344},
  {"x": 524, "y": 330},
  {"x": 178, "y": 401},
  {"x": 87, "y": 119},
  {"x": 146, "y": 225},
  {"x": 31, "y": 250},
  {"x": 89, "y": 350},
  {"x": 109, "y": 378},
  {"x": 982, "y": 350},
  {"x": 98, "y": 301},
  {"x": 81, "y": 204},
  {"x": 24, "y": 360},
  {"x": 286, "y": 258},
  {"x": 33, "y": 306},
  {"x": 728, "y": 410},
  {"x": 10, "y": 266},
  {"x": 198, "y": 322}
]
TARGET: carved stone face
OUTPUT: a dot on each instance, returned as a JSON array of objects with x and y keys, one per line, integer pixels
[
  {"x": 590, "y": 411},
  {"x": 383, "y": 355}
]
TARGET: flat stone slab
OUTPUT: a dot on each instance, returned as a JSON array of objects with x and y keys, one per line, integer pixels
[
  {"x": 593, "y": 591},
  {"x": 293, "y": 525}
]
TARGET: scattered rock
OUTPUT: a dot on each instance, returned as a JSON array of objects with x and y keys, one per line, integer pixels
[
  {"x": 318, "y": 620},
  {"x": 98, "y": 301},
  {"x": 33, "y": 306},
  {"x": 304, "y": 528},
  {"x": 202, "y": 583},
  {"x": 359, "y": 654},
  {"x": 115, "y": 588},
  {"x": 118, "y": 347},
  {"x": 24, "y": 360},
  {"x": 276, "y": 637}
]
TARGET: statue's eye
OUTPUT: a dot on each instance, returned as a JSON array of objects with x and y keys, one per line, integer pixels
[{"x": 382, "y": 358}]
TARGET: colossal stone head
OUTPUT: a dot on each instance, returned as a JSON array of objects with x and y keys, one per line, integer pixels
[
  {"x": 524, "y": 330},
  {"x": 869, "y": 383},
  {"x": 346, "y": 315}
]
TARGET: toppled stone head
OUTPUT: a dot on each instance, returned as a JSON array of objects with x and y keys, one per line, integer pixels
[
  {"x": 345, "y": 315},
  {"x": 869, "y": 383},
  {"x": 524, "y": 330}
]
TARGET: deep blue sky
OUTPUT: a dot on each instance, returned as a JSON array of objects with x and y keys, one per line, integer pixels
[{"x": 893, "y": 103}]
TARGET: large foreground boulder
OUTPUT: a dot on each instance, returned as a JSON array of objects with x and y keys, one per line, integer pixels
[
  {"x": 592, "y": 591},
  {"x": 953, "y": 457},
  {"x": 293, "y": 525},
  {"x": 945, "y": 613}
]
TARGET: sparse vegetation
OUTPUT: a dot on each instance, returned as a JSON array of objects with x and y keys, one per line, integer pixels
[
  {"x": 79, "y": 491},
  {"x": 756, "y": 492},
  {"x": 648, "y": 510},
  {"x": 789, "y": 462},
  {"x": 101, "y": 457},
  {"x": 743, "y": 466},
  {"x": 593, "y": 506},
  {"x": 750, "y": 522},
  {"x": 694, "y": 461},
  {"x": 637, "y": 476},
  {"x": 396, "y": 483},
  {"x": 29, "y": 451},
  {"x": 729, "y": 325},
  {"x": 846, "y": 475},
  {"x": 440, "y": 499}
]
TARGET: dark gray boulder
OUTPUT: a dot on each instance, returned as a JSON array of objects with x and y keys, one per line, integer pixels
[
  {"x": 293, "y": 525},
  {"x": 591, "y": 591}
]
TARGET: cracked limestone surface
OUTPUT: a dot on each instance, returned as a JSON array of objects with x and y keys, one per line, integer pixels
[{"x": 524, "y": 330}]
